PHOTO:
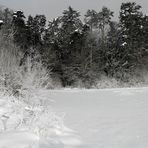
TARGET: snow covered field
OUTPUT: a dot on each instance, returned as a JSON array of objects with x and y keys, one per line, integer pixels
[
  {"x": 116, "y": 118},
  {"x": 113, "y": 118}
]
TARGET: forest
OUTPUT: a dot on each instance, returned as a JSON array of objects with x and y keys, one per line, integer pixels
[
  {"x": 96, "y": 52},
  {"x": 53, "y": 76}
]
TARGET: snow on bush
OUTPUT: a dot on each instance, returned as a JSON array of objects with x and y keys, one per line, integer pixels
[
  {"x": 34, "y": 115},
  {"x": 37, "y": 118},
  {"x": 24, "y": 104},
  {"x": 105, "y": 82}
]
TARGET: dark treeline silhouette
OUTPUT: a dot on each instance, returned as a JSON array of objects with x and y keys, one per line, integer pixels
[{"x": 76, "y": 50}]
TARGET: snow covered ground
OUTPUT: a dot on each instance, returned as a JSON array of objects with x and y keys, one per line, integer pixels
[{"x": 111, "y": 118}]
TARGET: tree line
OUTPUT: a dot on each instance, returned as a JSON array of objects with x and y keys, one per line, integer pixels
[{"x": 75, "y": 50}]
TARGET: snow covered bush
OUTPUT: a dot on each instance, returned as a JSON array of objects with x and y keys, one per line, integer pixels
[
  {"x": 14, "y": 77},
  {"x": 37, "y": 119},
  {"x": 25, "y": 103},
  {"x": 107, "y": 82}
]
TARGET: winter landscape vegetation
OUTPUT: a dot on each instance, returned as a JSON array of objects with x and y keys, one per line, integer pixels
[{"x": 73, "y": 83}]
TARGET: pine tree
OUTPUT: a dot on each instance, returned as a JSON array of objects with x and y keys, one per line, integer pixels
[
  {"x": 145, "y": 32},
  {"x": 36, "y": 27},
  {"x": 70, "y": 24},
  {"x": 52, "y": 32},
  {"x": 104, "y": 19},
  {"x": 20, "y": 30},
  {"x": 112, "y": 62},
  {"x": 91, "y": 19},
  {"x": 132, "y": 33},
  {"x": 52, "y": 53}
]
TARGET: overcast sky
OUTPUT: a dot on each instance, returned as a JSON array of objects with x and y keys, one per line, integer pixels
[{"x": 54, "y": 8}]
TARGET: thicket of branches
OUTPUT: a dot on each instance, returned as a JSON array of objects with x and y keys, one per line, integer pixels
[{"x": 79, "y": 52}]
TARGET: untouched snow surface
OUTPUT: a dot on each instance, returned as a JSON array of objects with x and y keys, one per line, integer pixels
[{"x": 111, "y": 118}]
